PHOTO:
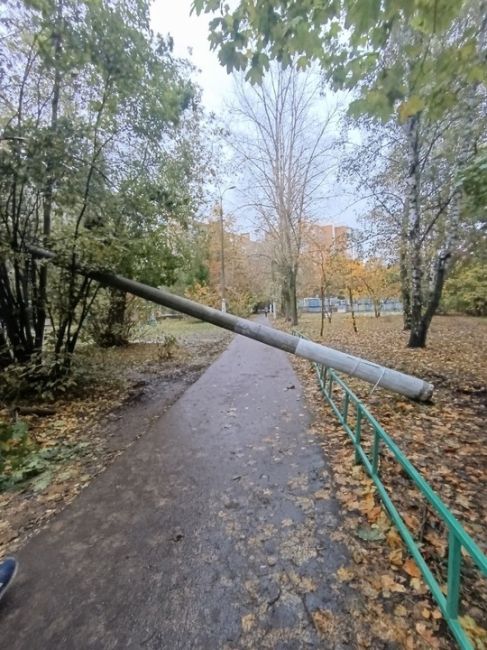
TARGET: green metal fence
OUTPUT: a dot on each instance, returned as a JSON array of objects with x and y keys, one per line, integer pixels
[{"x": 353, "y": 415}]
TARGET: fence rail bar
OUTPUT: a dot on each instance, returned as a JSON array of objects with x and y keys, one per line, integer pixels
[{"x": 458, "y": 538}]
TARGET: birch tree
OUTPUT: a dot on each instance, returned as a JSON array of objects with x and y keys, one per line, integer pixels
[{"x": 409, "y": 63}]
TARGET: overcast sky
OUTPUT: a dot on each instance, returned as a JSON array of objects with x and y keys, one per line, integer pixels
[{"x": 190, "y": 34}]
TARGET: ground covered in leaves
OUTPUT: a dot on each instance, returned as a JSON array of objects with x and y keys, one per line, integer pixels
[
  {"x": 445, "y": 440},
  {"x": 71, "y": 440}
]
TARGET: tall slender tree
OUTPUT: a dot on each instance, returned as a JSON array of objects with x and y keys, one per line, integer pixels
[
  {"x": 283, "y": 149},
  {"x": 410, "y": 63}
]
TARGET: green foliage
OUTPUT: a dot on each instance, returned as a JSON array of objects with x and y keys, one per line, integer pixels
[
  {"x": 401, "y": 55},
  {"x": 46, "y": 381},
  {"x": 466, "y": 290},
  {"x": 167, "y": 348},
  {"x": 21, "y": 458},
  {"x": 473, "y": 180},
  {"x": 103, "y": 151},
  {"x": 13, "y": 443}
]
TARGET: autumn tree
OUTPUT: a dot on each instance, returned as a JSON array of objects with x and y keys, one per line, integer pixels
[
  {"x": 416, "y": 66},
  {"x": 323, "y": 267},
  {"x": 283, "y": 151},
  {"x": 243, "y": 287},
  {"x": 89, "y": 100},
  {"x": 381, "y": 283},
  {"x": 156, "y": 214}
]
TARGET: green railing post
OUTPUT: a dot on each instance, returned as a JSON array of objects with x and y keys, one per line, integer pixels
[
  {"x": 375, "y": 451},
  {"x": 454, "y": 574},
  {"x": 325, "y": 375},
  {"x": 346, "y": 400},
  {"x": 358, "y": 433}
]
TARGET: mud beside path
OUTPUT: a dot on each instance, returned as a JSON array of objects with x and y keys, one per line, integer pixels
[{"x": 95, "y": 430}]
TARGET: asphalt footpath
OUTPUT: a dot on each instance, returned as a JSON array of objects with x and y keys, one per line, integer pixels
[{"x": 212, "y": 531}]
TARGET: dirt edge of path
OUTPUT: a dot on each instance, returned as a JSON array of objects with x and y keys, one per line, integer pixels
[{"x": 99, "y": 437}]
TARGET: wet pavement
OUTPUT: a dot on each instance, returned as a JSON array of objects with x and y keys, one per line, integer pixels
[{"x": 211, "y": 531}]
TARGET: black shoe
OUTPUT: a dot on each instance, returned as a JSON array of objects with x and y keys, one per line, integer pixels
[{"x": 8, "y": 569}]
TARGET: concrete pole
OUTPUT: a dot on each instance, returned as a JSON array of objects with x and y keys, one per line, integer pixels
[
  {"x": 222, "y": 259},
  {"x": 373, "y": 373},
  {"x": 222, "y": 249}
]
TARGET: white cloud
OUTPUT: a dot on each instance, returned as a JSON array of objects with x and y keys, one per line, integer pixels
[{"x": 190, "y": 33}]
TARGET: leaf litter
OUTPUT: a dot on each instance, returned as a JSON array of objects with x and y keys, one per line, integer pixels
[
  {"x": 445, "y": 440},
  {"x": 81, "y": 435}
]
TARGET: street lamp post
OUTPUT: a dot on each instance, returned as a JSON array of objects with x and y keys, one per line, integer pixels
[{"x": 222, "y": 250}]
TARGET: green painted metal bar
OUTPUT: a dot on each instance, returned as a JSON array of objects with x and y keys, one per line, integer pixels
[
  {"x": 454, "y": 574},
  {"x": 458, "y": 537},
  {"x": 358, "y": 432},
  {"x": 375, "y": 452},
  {"x": 346, "y": 400}
]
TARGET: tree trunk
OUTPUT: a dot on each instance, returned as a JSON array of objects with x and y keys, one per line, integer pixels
[
  {"x": 5, "y": 357},
  {"x": 441, "y": 269},
  {"x": 292, "y": 297},
  {"x": 405, "y": 294},
  {"x": 322, "y": 297},
  {"x": 416, "y": 295},
  {"x": 352, "y": 311},
  {"x": 13, "y": 315},
  {"x": 40, "y": 303},
  {"x": 284, "y": 301},
  {"x": 404, "y": 274},
  {"x": 114, "y": 334},
  {"x": 414, "y": 236}
]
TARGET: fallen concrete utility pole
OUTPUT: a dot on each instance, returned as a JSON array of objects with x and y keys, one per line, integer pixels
[{"x": 387, "y": 378}]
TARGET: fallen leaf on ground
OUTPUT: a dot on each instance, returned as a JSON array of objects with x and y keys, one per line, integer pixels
[
  {"x": 396, "y": 557},
  {"x": 411, "y": 568},
  {"x": 389, "y": 584},
  {"x": 248, "y": 622},
  {"x": 344, "y": 574}
]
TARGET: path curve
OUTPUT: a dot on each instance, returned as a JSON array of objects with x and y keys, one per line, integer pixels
[{"x": 212, "y": 531}]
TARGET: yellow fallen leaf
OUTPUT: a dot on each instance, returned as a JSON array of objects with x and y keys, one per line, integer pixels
[
  {"x": 393, "y": 539},
  {"x": 373, "y": 515},
  {"x": 344, "y": 574},
  {"x": 425, "y": 613},
  {"x": 395, "y": 557},
  {"x": 357, "y": 471},
  {"x": 437, "y": 542},
  {"x": 411, "y": 568},
  {"x": 307, "y": 584},
  {"x": 248, "y": 622},
  {"x": 324, "y": 621},
  {"x": 389, "y": 584},
  {"x": 368, "y": 504},
  {"x": 400, "y": 610},
  {"x": 412, "y": 522},
  {"x": 474, "y": 630},
  {"x": 322, "y": 494},
  {"x": 417, "y": 585}
]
